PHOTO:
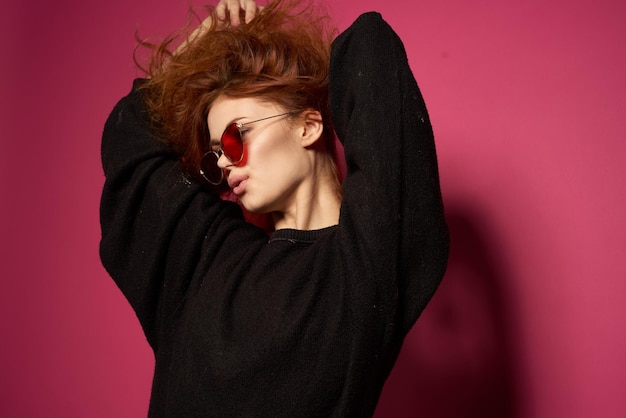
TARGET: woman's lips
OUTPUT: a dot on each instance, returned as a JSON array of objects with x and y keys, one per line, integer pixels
[
  {"x": 240, "y": 188},
  {"x": 238, "y": 184}
]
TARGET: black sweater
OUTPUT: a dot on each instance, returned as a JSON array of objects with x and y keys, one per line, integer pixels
[{"x": 303, "y": 323}]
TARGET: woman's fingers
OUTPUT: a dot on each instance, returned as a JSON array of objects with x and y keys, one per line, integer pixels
[
  {"x": 251, "y": 10},
  {"x": 231, "y": 9},
  {"x": 225, "y": 10}
]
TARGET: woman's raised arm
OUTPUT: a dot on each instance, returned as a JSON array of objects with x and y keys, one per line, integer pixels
[{"x": 392, "y": 201}]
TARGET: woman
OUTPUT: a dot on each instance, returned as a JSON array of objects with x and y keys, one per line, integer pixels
[{"x": 307, "y": 321}]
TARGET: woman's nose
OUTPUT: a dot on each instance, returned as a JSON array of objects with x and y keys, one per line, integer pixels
[{"x": 222, "y": 160}]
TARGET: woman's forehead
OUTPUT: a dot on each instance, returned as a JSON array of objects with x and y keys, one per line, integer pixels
[{"x": 226, "y": 110}]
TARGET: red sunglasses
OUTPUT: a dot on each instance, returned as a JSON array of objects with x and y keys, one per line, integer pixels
[{"x": 232, "y": 146}]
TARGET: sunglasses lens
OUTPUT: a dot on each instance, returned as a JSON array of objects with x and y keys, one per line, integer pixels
[
  {"x": 209, "y": 169},
  {"x": 232, "y": 144}
]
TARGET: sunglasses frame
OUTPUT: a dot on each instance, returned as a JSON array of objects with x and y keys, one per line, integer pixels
[{"x": 217, "y": 154}]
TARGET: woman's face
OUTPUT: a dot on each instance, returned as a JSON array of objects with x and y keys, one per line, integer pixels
[{"x": 275, "y": 164}]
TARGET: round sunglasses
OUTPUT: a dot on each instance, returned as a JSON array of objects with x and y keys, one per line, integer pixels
[{"x": 232, "y": 146}]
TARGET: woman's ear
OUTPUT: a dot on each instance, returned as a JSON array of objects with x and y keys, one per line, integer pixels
[{"x": 312, "y": 127}]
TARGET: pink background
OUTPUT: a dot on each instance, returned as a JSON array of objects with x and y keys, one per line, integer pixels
[{"x": 528, "y": 104}]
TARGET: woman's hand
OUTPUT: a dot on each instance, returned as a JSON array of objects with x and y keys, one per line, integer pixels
[
  {"x": 225, "y": 10},
  {"x": 232, "y": 9}
]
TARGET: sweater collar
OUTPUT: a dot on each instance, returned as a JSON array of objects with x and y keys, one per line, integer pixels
[{"x": 299, "y": 236}]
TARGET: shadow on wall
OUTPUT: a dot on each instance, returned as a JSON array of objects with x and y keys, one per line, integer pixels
[{"x": 459, "y": 361}]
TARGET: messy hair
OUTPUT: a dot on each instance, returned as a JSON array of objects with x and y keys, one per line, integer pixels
[{"x": 282, "y": 56}]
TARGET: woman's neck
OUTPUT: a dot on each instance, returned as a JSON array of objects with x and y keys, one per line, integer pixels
[{"x": 315, "y": 206}]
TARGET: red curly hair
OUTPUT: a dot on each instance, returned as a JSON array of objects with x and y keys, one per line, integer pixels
[{"x": 281, "y": 56}]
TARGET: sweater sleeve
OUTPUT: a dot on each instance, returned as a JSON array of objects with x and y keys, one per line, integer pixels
[
  {"x": 392, "y": 199},
  {"x": 159, "y": 229}
]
